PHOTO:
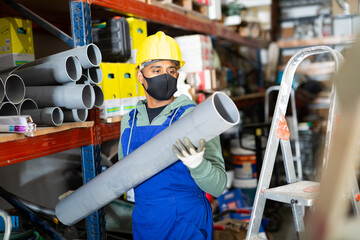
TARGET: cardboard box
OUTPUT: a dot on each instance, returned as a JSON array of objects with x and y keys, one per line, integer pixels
[
  {"x": 196, "y": 51},
  {"x": 138, "y": 33},
  {"x": 16, "y": 42}
]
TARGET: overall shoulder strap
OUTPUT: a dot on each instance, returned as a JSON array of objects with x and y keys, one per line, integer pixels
[{"x": 176, "y": 114}]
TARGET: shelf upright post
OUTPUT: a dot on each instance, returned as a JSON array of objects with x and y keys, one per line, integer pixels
[
  {"x": 260, "y": 73},
  {"x": 90, "y": 154}
]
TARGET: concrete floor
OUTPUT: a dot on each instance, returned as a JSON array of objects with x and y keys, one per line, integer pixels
[{"x": 287, "y": 229}]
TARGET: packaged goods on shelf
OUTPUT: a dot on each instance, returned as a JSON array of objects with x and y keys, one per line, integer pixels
[
  {"x": 203, "y": 80},
  {"x": 121, "y": 89},
  {"x": 196, "y": 51},
  {"x": 138, "y": 33},
  {"x": 16, "y": 42},
  {"x": 113, "y": 39},
  {"x": 215, "y": 10}
]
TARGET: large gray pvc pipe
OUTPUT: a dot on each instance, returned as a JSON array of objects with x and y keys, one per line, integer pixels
[
  {"x": 50, "y": 72},
  {"x": 208, "y": 120},
  {"x": 69, "y": 96},
  {"x": 51, "y": 116},
  {"x": 14, "y": 88},
  {"x": 8, "y": 109},
  {"x": 88, "y": 55},
  {"x": 75, "y": 115}
]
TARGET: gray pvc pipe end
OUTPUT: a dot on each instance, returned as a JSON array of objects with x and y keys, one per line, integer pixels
[
  {"x": 2, "y": 90},
  {"x": 93, "y": 58},
  {"x": 99, "y": 96},
  {"x": 14, "y": 88},
  {"x": 8, "y": 109},
  {"x": 75, "y": 115},
  {"x": 26, "y": 104},
  {"x": 52, "y": 116},
  {"x": 73, "y": 68},
  {"x": 95, "y": 75}
]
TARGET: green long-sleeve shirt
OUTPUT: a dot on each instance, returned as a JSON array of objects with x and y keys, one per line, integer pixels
[{"x": 210, "y": 175}]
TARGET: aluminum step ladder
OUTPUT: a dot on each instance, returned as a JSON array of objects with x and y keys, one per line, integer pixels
[
  {"x": 294, "y": 131},
  {"x": 296, "y": 193}
]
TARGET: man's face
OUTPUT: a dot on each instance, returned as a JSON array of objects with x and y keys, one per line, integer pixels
[{"x": 157, "y": 68}]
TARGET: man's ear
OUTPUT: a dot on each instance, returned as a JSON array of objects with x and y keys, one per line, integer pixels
[{"x": 140, "y": 77}]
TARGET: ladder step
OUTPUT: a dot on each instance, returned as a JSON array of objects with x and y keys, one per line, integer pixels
[{"x": 302, "y": 193}]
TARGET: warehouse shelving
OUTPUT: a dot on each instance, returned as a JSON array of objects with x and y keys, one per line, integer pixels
[
  {"x": 89, "y": 135},
  {"x": 330, "y": 40}
]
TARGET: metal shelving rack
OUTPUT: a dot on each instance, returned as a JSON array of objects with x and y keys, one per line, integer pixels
[{"x": 90, "y": 137}]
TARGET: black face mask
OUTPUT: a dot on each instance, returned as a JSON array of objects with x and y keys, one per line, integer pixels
[{"x": 161, "y": 87}]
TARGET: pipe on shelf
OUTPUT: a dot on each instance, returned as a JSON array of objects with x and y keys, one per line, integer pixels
[
  {"x": 208, "y": 120},
  {"x": 14, "y": 88},
  {"x": 26, "y": 104},
  {"x": 95, "y": 75},
  {"x": 44, "y": 72},
  {"x": 69, "y": 96},
  {"x": 75, "y": 115},
  {"x": 88, "y": 55},
  {"x": 51, "y": 116},
  {"x": 99, "y": 96},
  {"x": 8, "y": 109},
  {"x": 2, "y": 90}
]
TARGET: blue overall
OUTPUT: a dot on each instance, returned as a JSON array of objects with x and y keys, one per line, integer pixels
[{"x": 168, "y": 205}]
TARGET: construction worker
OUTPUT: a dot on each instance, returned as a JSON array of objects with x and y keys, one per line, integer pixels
[{"x": 172, "y": 203}]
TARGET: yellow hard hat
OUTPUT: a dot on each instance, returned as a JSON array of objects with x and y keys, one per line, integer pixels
[{"x": 158, "y": 47}]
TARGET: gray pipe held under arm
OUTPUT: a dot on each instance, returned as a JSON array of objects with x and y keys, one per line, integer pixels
[
  {"x": 208, "y": 120},
  {"x": 68, "y": 96},
  {"x": 54, "y": 71},
  {"x": 51, "y": 116}
]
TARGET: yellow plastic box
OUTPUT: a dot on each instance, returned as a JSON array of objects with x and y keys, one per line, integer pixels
[
  {"x": 131, "y": 91},
  {"x": 138, "y": 33},
  {"x": 16, "y": 42},
  {"x": 110, "y": 88}
]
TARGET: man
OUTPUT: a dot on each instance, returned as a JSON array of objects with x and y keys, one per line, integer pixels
[{"x": 171, "y": 204}]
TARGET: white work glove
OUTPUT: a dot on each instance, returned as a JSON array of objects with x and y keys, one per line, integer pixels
[{"x": 188, "y": 153}]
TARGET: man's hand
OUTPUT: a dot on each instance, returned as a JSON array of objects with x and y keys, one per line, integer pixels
[{"x": 188, "y": 153}]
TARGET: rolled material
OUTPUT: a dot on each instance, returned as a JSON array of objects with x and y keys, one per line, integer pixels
[
  {"x": 99, "y": 96},
  {"x": 14, "y": 88},
  {"x": 55, "y": 71},
  {"x": 88, "y": 55},
  {"x": 70, "y": 96},
  {"x": 51, "y": 116},
  {"x": 2, "y": 90},
  {"x": 75, "y": 115},
  {"x": 208, "y": 120},
  {"x": 8, "y": 109}
]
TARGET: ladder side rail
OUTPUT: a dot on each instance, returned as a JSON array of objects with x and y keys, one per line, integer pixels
[
  {"x": 296, "y": 137},
  {"x": 334, "y": 111}
]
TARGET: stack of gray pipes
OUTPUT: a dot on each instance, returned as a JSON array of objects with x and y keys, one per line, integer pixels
[{"x": 55, "y": 89}]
